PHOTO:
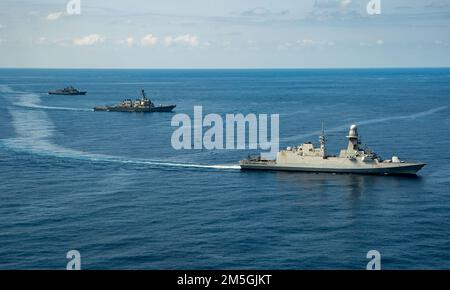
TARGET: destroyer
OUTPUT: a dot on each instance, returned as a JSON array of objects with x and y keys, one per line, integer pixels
[
  {"x": 353, "y": 159},
  {"x": 140, "y": 105},
  {"x": 70, "y": 91}
]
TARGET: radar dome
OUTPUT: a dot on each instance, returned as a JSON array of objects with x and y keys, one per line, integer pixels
[{"x": 353, "y": 133}]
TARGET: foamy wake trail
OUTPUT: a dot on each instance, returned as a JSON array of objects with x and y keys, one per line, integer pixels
[
  {"x": 34, "y": 130},
  {"x": 6, "y": 89},
  {"x": 30, "y": 100},
  {"x": 36, "y": 106},
  {"x": 367, "y": 122}
]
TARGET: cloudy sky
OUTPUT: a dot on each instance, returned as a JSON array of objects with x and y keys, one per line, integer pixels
[{"x": 224, "y": 34}]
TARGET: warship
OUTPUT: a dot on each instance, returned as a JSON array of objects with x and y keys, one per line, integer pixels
[
  {"x": 70, "y": 91},
  {"x": 143, "y": 105},
  {"x": 353, "y": 159}
]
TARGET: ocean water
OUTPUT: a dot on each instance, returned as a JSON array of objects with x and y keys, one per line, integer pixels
[{"x": 111, "y": 186}]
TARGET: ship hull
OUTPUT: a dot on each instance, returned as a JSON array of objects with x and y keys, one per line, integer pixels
[
  {"x": 391, "y": 169},
  {"x": 137, "y": 110},
  {"x": 68, "y": 94}
]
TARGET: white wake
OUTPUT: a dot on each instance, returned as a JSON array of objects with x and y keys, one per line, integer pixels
[{"x": 34, "y": 131}]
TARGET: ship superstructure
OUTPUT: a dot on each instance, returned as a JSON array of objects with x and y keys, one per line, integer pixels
[{"x": 70, "y": 91}]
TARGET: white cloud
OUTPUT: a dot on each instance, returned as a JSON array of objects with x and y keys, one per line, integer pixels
[
  {"x": 372, "y": 43},
  {"x": 41, "y": 40},
  {"x": 2, "y": 26},
  {"x": 345, "y": 3},
  {"x": 306, "y": 42},
  {"x": 310, "y": 42},
  {"x": 440, "y": 42},
  {"x": 149, "y": 40},
  {"x": 54, "y": 16},
  {"x": 263, "y": 12},
  {"x": 303, "y": 43},
  {"x": 258, "y": 11},
  {"x": 90, "y": 39},
  {"x": 185, "y": 39},
  {"x": 129, "y": 41}
]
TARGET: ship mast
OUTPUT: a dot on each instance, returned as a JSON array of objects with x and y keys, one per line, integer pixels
[
  {"x": 145, "y": 99},
  {"x": 143, "y": 94},
  {"x": 322, "y": 140}
]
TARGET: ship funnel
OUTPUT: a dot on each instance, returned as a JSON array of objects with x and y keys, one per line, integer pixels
[{"x": 353, "y": 132}]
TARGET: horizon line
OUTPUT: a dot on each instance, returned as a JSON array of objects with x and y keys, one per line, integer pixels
[{"x": 228, "y": 68}]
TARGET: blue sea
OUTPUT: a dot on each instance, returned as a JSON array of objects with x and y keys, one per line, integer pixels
[{"x": 111, "y": 186}]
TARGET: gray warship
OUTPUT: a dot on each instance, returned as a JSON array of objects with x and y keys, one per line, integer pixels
[
  {"x": 353, "y": 159},
  {"x": 143, "y": 105},
  {"x": 70, "y": 91}
]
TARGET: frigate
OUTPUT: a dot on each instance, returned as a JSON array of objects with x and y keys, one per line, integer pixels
[
  {"x": 143, "y": 105},
  {"x": 354, "y": 159},
  {"x": 70, "y": 91}
]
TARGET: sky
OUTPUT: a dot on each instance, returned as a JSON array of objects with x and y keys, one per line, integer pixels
[{"x": 224, "y": 34}]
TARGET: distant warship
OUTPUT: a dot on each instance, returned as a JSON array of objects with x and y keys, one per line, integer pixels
[
  {"x": 71, "y": 91},
  {"x": 353, "y": 159},
  {"x": 140, "y": 105}
]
